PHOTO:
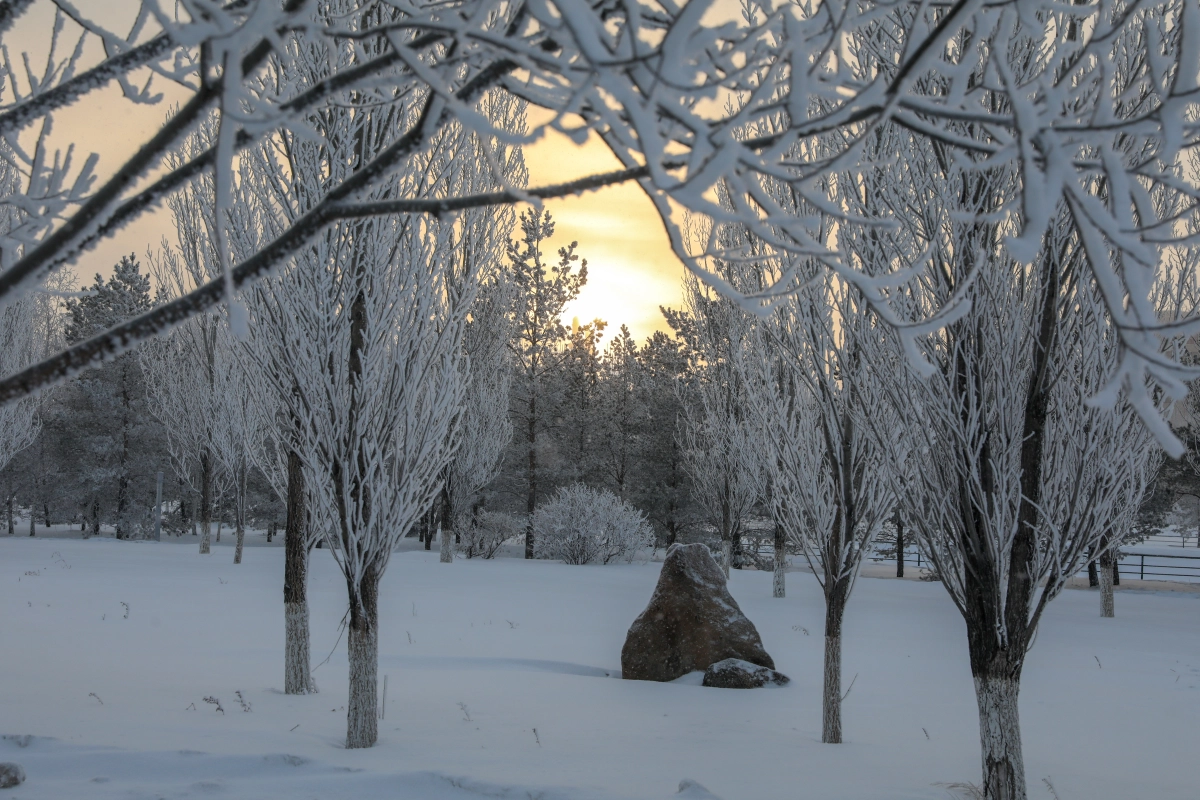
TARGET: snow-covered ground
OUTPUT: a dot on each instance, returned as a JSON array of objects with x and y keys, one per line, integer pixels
[{"x": 108, "y": 650}]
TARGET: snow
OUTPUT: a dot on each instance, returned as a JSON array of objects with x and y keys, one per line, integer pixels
[{"x": 480, "y": 654}]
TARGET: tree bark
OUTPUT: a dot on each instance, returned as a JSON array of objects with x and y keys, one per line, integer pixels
[
  {"x": 531, "y": 499},
  {"x": 899, "y": 546},
  {"x": 1000, "y": 737},
  {"x": 831, "y": 699},
  {"x": 297, "y": 677},
  {"x": 1107, "y": 608},
  {"x": 362, "y": 714},
  {"x": 32, "y": 522},
  {"x": 778, "y": 588},
  {"x": 445, "y": 528},
  {"x": 240, "y": 538},
  {"x": 205, "y": 502},
  {"x": 11, "y": 527},
  {"x": 726, "y": 555}
]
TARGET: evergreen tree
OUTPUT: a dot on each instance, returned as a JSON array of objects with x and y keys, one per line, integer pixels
[
  {"x": 543, "y": 291},
  {"x": 100, "y": 421}
]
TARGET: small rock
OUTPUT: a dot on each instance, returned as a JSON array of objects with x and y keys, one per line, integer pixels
[
  {"x": 691, "y": 622},
  {"x": 11, "y": 775},
  {"x": 733, "y": 673}
]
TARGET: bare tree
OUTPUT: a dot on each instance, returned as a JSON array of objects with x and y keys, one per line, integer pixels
[
  {"x": 1018, "y": 475},
  {"x": 719, "y": 446},
  {"x": 810, "y": 388},
  {"x": 642, "y": 77}
]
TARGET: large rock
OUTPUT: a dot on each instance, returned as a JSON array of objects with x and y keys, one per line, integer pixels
[
  {"x": 692, "y": 621},
  {"x": 733, "y": 673},
  {"x": 11, "y": 775}
]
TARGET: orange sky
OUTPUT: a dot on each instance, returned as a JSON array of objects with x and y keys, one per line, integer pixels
[{"x": 631, "y": 268}]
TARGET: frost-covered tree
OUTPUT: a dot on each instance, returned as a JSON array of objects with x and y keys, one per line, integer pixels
[
  {"x": 582, "y": 525},
  {"x": 719, "y": 446},
  {"x": 543, "y": 291},
  {"x": 662, "y": 487},
  {"x": 1015, "y": 476},
  {"x": 811, "y": 390},
  {"x": 116, "y": 438},
  {"x": 622, "y": 412},
  {"x": 364, "y": 331}
]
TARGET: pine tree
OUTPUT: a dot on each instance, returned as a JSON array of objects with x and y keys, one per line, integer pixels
[
  {"x": 543, "y": 291},
  {"x": 103, "y": 417}
]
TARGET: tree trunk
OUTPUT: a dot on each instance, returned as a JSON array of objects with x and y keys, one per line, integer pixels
[
  {"x": 32, "y": 522},
  {"x": 1000, "y": 737},
  {"x": 297, "y": 677},
  {"x": 726, "y": 555},
  {"x": 205, "y": 502},
  {"x": 11, "y": 528},
  {"x": 1093, "y": 576},
  {"x": 1107, "y": 608},
  {"x": 445, "y": 532},
  {"x": 241, "y": 537},
  {"x": 831, "y": 699},
  {"x": 1116, "y": 572},
  {"x": 777, "y": 580},
  {"x": 362, "y": 713},
  {"x": 531, "y": 499},
  {"x": 899, "y": 546}
]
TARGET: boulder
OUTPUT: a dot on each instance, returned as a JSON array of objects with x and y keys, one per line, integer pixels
[
  {"x": 733, "y": 673},
  {"x": 691, "y": 622},
  {"x": 11, "y": 775}
]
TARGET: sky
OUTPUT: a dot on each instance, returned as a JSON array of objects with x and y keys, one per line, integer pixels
[{"x": 631, "y": 268}]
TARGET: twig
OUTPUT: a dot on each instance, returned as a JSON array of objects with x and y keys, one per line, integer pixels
[
  {"x": 536, "y": 738},
  {"x": 1098, "y": 664},
  {"x": 466, "y": 712},
  {"x": 297, "y": 725},
  {"x": 926, "y": 734},
  {"x": 1050, "y": 786},
  {"x": 851, "y": 686},
  {"x": 341, "y": 630},
  {"x": 93, "y": 694}
]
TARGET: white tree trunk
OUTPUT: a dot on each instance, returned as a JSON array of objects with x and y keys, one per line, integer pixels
[
  {"x": 777, "y": 581},
  {"x": 205, "y": 538},
  {"x": 726, "y": 556},
  {"x": 1107, "y": 607},
  {"x": 297, "y": 677},
  {"x": 445, "y": 540},
  {"x": 1000, "y": 738}
]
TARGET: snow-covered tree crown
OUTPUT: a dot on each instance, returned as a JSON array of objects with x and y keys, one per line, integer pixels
[{"x": 1093, "y": 105}]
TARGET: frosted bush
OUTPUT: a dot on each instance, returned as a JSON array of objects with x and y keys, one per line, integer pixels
[
  {"x": 581, "y": 525},
  {"x": 483, "y": 536}
]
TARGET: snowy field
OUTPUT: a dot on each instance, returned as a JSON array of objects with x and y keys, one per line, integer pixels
[{"x": 108, "y": 650}]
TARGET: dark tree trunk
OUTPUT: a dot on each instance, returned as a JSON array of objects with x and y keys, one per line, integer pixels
[
  {"x": 1093, "y": 576},
  {"x": 531, "y": 499},
  {"x": 778, "y": 586},
  {"x": 836, "y": 595},
  {"x": 297, "y": 677},
  {"x": 205, "y": 501},
  {"x": 9, "y": 506},
  {"x": 899, "y": 546},
  {"x": 362, "y": 722}
]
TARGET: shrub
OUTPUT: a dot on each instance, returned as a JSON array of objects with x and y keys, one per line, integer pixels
[
  {"x": 482, "y": 536},
  {"x": 581, "y": 525}
]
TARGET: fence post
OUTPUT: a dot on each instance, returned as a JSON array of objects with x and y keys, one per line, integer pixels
[{"x": 1142, "y": 568}]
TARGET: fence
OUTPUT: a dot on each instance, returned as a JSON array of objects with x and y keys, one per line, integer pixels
[
  {"x": 1130, "y": 565},
  {"x": 1134, "y": 565}
]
